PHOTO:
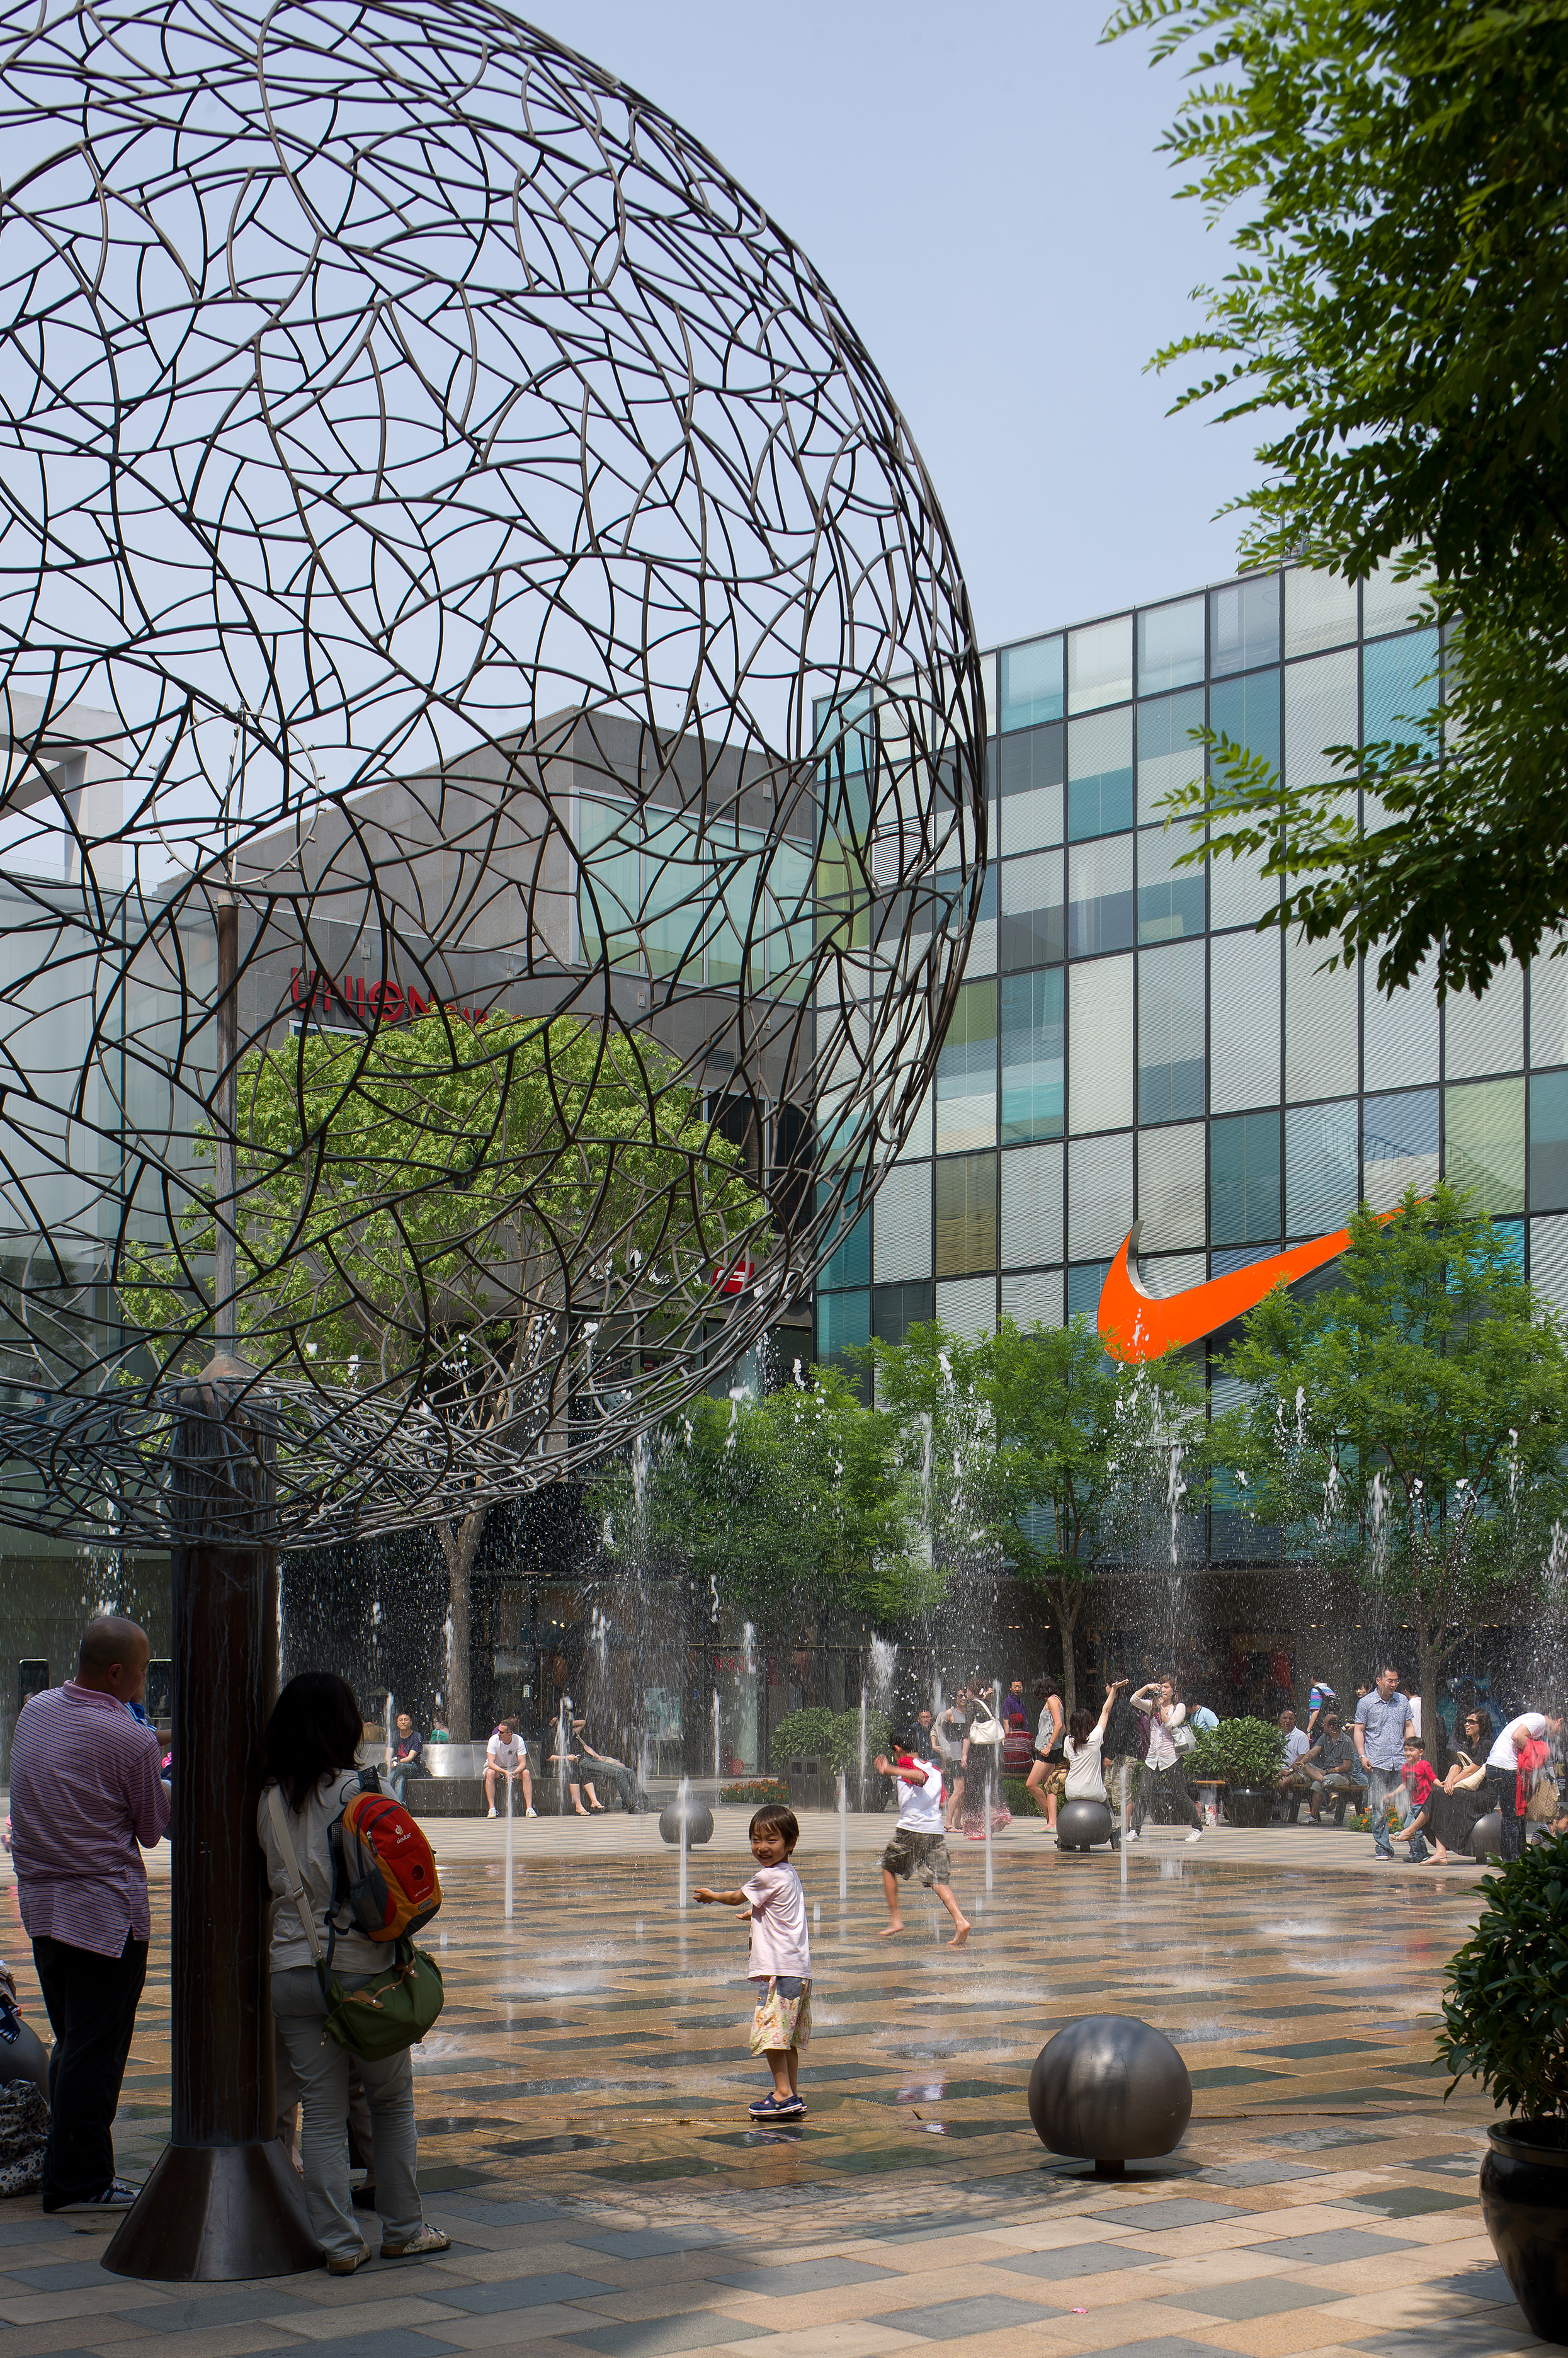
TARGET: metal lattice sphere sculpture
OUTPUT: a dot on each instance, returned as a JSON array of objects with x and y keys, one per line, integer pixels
[{"x": 492, "y": 810}]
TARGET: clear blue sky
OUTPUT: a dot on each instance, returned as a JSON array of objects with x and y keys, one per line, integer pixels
[{"x": 980, "y": 188}]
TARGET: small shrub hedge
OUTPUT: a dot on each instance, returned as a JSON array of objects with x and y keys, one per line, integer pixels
[{"x": 831, "y": 1737}]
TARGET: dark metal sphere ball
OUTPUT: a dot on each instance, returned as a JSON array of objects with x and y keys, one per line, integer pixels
[
  {"x": 1486, "y": 1836},
  {"x": 699, "y": 1821},
  {"x": 1081, "y": 1823},
  {"x": 1111, "y": 2088}
]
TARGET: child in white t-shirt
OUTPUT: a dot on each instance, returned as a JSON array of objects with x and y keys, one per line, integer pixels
[
  {"x": 919, "y": 1847},
  {"x": 774, "y": 1904}
]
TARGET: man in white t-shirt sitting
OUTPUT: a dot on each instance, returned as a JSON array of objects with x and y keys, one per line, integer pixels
[
  {"x": 507, "y": 1756},
  {"x": 920, "y": 1844},
  {"x": 1502, "y": 1772},
  {"x": 1295, "y": 1785}
]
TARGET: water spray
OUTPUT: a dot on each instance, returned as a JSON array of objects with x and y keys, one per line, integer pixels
[{"x": 843, "y": 1835}]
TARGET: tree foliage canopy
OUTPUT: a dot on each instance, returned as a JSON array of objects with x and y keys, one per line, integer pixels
[
  {"x": 1039, "y": 1448},
  {"x": 793, "y": 1504},
  {"x": 1411, "y": 1418},
  {"x": 1391, "y": 178}
]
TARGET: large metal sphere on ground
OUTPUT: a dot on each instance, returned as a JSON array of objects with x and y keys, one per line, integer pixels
[
  {"x": 1486, "y": 1836},
  {"x": 694, "y": 1815},
  {"x": 1082, "y": 1823},
  {"x": 1112, "y": 2088},
  {"x": 491, "y": 737}
]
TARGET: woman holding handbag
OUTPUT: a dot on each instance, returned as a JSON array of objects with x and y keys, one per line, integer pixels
[
  {"x": 1457, "y": 1801},
  {"x": 311, "y": 1741}
]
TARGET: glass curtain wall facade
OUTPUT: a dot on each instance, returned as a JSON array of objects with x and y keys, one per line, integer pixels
[{"x": 1131, "y": 1048}]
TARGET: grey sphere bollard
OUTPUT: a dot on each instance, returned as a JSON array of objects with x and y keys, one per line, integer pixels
[
  {"x": 698, "y": 1822},
  {"x": 1082, "y": 1823},
  {"x": 1486, "y": 1837},
  {"x": 1111, "y": 2088}
]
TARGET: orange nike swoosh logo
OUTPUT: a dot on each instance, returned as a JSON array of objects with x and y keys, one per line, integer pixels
[{"x": 1134, "y": 1324}]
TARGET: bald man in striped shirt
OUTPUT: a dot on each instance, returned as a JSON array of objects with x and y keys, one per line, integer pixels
[{"x": 85, "y": 1794}]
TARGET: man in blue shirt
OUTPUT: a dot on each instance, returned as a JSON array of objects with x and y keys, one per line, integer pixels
[{"x": 1381, "y": 1719}]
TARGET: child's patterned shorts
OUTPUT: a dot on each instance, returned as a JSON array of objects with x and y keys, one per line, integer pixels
[{"x": 783, "y": 2017}]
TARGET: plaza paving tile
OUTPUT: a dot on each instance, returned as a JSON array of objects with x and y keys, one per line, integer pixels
[{"x": 585, "y": 2140}]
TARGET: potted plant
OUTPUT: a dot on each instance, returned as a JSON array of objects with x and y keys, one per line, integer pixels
[
  {"x": 1249, "y": 1754},
  {"x": 1505, "y": 2022}
]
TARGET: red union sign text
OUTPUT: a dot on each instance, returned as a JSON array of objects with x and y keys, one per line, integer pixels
[{"x": 382, "y": 1001}]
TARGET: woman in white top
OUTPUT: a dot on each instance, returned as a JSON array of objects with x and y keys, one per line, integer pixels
[
  {"x": 1085, "y": 1750},
  {"x": 311, "y": 1741},
  {"x": 1163, "y": 1763}
]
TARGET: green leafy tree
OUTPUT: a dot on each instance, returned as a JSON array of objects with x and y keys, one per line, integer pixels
[
  {"x": 1039, "y": 1449},
  {"x": 1410, "y": 1420},
  {"x": 408, "y": 1200},
  {"x": 1390, "y": 177},
  {"x": 792, "y": 1506},
  {"x": 1094, "y": 1459}
]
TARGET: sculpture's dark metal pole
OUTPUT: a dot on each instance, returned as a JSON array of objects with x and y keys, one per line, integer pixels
[{"x": 223, "y": 2200}]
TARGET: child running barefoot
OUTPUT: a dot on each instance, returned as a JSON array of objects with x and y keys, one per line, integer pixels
[
  {"x": 774, "y": 1904},
  {"x": 920, "y": 1845}
]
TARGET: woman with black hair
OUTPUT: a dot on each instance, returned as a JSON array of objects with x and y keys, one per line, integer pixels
[
  {"x": 312, "y": 1740},
  {"x": 1459, "y": 1800}
]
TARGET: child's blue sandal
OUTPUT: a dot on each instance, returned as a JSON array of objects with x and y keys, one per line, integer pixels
[{"x": 776, "y": 2108}]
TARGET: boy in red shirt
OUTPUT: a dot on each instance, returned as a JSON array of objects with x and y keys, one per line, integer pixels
[{"x": 1419, "y": 1778}]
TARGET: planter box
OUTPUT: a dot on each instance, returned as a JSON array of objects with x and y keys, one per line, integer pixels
[
  {"x": 812, "y": 1786},
  {"x": 1249, "y": 1805}
]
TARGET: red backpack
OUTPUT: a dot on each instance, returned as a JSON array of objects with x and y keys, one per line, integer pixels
[{"x": 383, "y": 1869}]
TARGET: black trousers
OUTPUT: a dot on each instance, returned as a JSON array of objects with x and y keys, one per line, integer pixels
[
  {"x": 92, "y": 2002},
  {"x": 1502, "y": 1793}
]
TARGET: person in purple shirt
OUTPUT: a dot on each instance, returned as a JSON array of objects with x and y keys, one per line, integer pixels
[{"x": 85, "y": 1792}]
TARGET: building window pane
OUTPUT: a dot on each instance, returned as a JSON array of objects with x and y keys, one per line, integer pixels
[
  {"x": 1099, "y": 774},
  {"x": 1030, "y": 780},
  {"x": 1085, "y": 1285},
  {"x": 1390, "y": 605},
  {"x": 1169, "y": 899},
  {"x": 1548, "y": 1008},
  {"x": 1238, "y": 892},
  {"x": 1099, "y": 1194},
  {"x": 1033, "y": 921},
  {"x": 965, "y": 1215},
  {"x": 1248, "y": 712},
  {"x": 843, "y": 1324},
  {"x": 1244, "y": 1179},
  {"x": 1170, "y": 1033},
  {"x": 1320, "y": 1022},
  {"x": 1033, "y": 1299},
  {"x": 1320, "y": 610},
  {"x": 1167, "y": 757},
  {"x": 1170, "y": 1188},
  {"x": 849, "y": 1262},
  {"x": 1322, "y": 1167},
  {"x": 1100, "y": 1040},
  {"x": 896, "y": 1308},
  {"x": 1034, "y": 1060},
  {"x": 1549, "y": 1143},
  {"x": 1400, "y": 683},
  {"x": 1170, "y": 645},
  {"x": 918, "y": 1141},
  {"x": 966, "y": 1073},
  {"x": 1486, "y": 1035},
  {"x": 968, "y": 1311},
  {"x": 983, "y": 939},
  {"x": 1548, "y": 1262},
  {"x": 902, "y": 1221},
  {"x": 1484, "y": 1150},
  {"x": 1099, "y": 664},
  {"x": 1031, "y": 684},
  {"x": 1398, "y": 1147},
  {"x": 1099, "y": 896},
  {"x": 1244, "y": 1028},
  {"x": 1401, "y": 1031},
  {"x": 1031, "y": 1206},
  {"x": 1244, "y": 624},
  {"x": 1320, "y": 711}
]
